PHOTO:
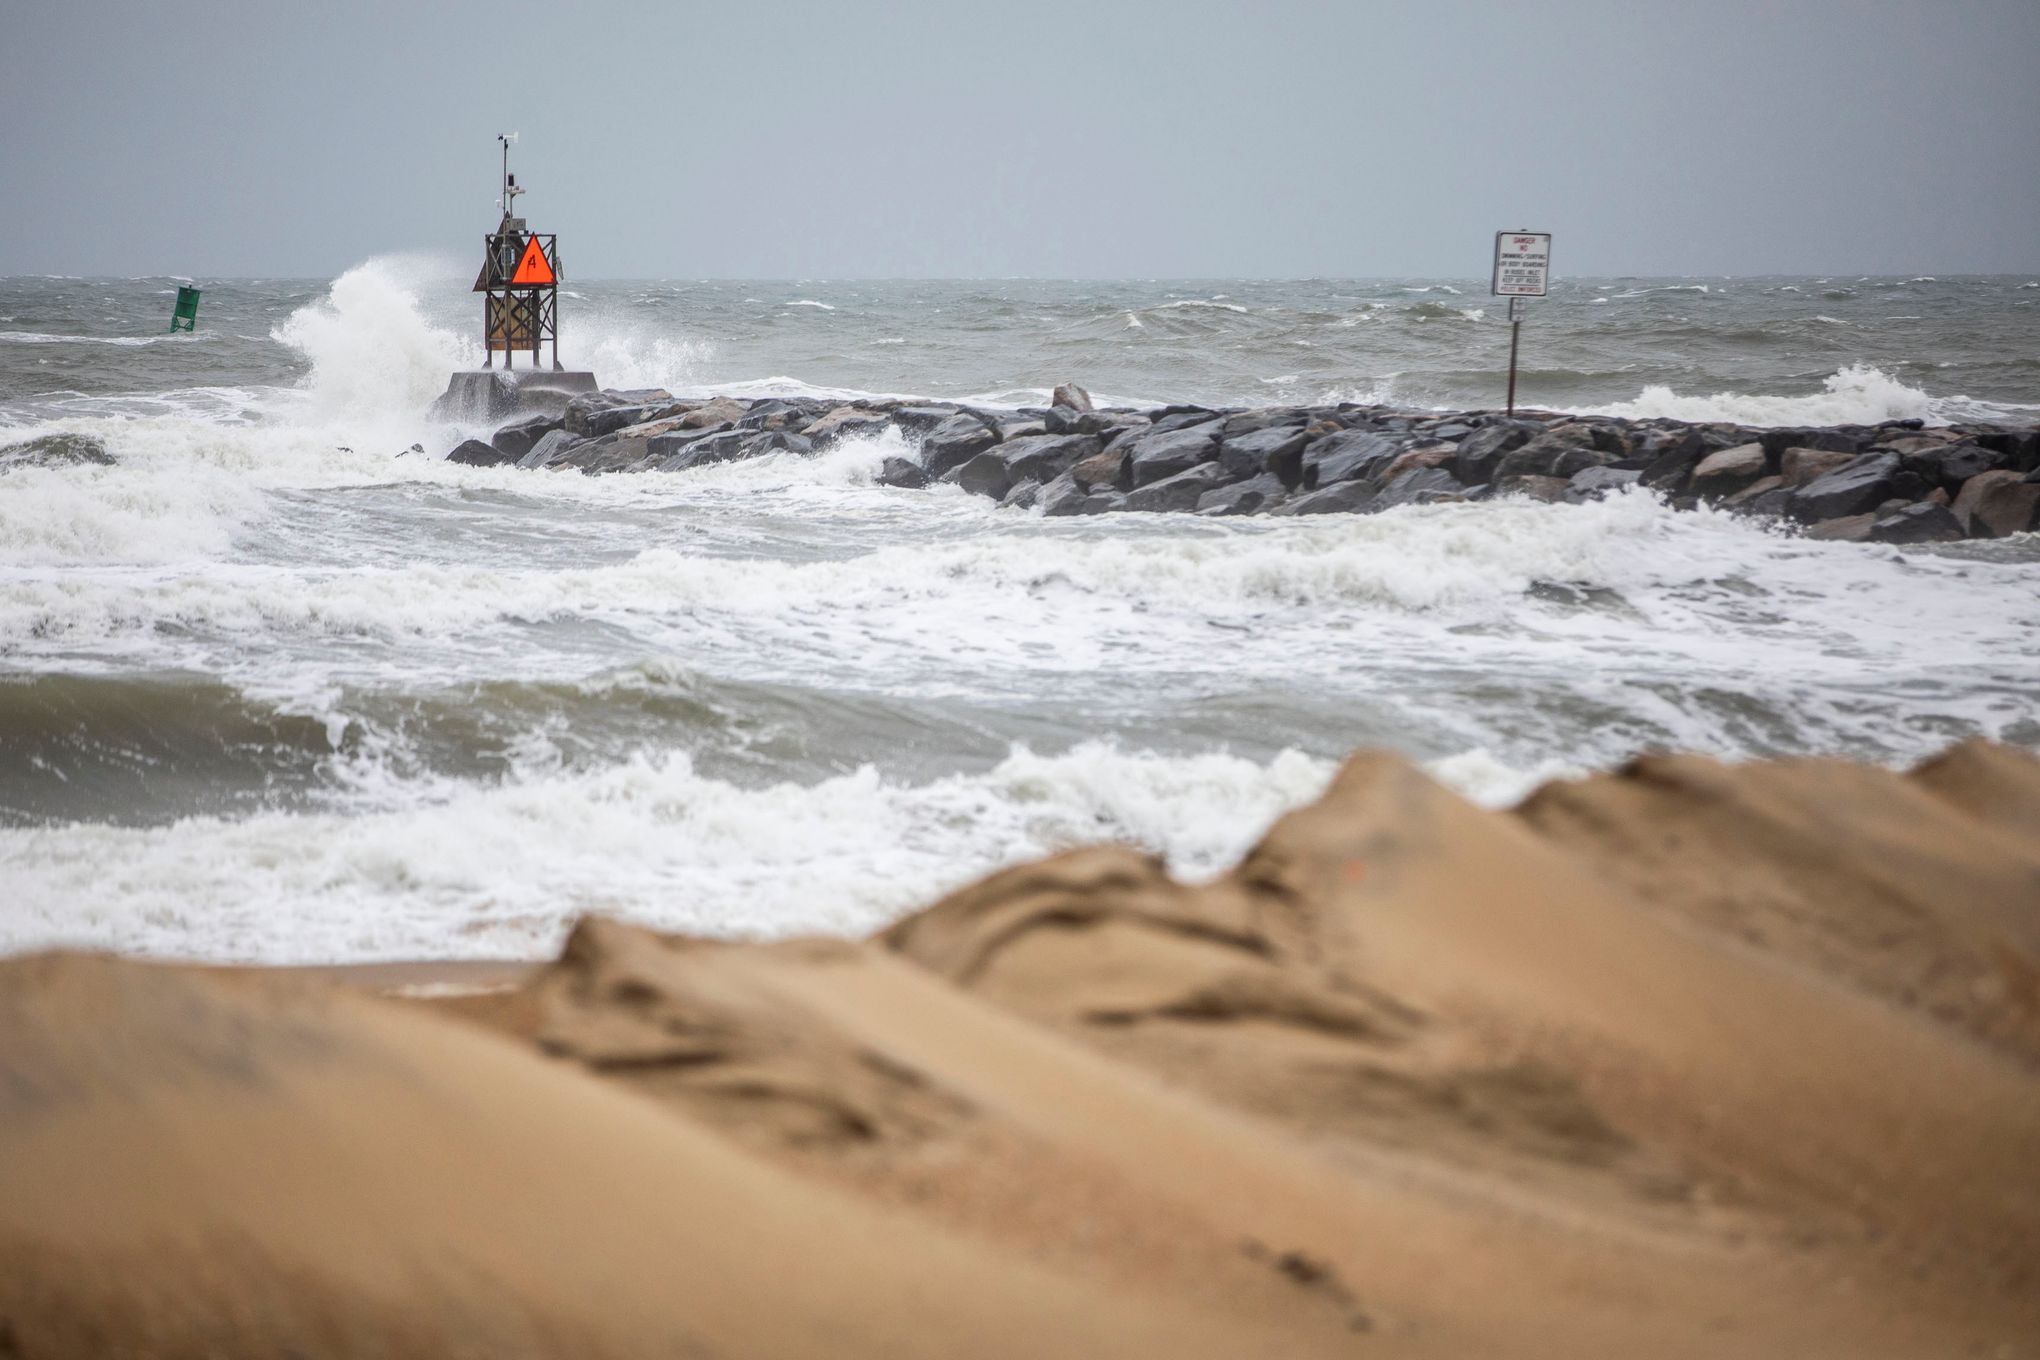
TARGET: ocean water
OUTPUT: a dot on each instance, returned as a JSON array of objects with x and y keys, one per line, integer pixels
[{"x": 274, "y": 687}]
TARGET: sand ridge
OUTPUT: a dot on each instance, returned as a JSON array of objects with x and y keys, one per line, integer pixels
[{"x": 1685, "y": 1059}]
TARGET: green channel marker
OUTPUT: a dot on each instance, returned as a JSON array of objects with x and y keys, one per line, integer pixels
[{"x": 184, "y": 317}]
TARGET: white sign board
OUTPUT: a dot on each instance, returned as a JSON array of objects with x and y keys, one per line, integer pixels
[{"x": 1522, "y": 263}]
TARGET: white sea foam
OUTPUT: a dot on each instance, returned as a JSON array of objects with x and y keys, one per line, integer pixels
[
  {"x": 40, "y": 338},
  {"x": 501, "y": 871},
  {"x": 1857, "y": 394},
  {"x": 810, "y": 302}
]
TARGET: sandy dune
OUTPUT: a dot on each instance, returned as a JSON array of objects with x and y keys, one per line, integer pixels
[{"x": 1682, "y": 1060}]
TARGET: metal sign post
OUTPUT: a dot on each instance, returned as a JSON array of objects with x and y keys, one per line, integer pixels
[{"x": 1522, "y": 269}]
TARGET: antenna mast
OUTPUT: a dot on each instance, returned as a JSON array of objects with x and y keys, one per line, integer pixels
[{"x": 510, "y": 189}]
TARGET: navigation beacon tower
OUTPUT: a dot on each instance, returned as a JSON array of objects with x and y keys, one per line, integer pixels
[{"x": 520, "y": 280}]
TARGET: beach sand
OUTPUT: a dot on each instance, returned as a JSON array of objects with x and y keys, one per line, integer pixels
[{"x": 1686, "y": 1059}]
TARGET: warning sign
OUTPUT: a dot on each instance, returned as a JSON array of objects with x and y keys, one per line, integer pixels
[
  {"x": 1522, "y": 263},
  {"x": 534, "y": 270}
]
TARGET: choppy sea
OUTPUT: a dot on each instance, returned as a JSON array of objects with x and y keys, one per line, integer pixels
[{"x": 273, "y": 687}]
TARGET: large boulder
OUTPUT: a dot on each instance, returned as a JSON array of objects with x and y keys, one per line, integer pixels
[
  {"x": 1250, "y": 497},
  {"x": 915, "y": 421},
  {"x": 1800, "y": 465},
  {"x": 1180, "y": 492},
  {"x": 1102, "y": 471},
  {"x": 514, "y": 440},
  {"x": 597, "y": 413},
  {"x": 1847, "y": 529},
  {"x": 1072, "y": 396},
  {"x": 554, "y": 445},
  {"x": 1044, "y": 457},
  {"x": 982, "y": 475},
  {"x": 1721, "y": 474},
  {"x": 1161, "y": 454},
  {"x": 957, "y": 440},
  {"x": 1921, "y": 523},
  {"x": 1349, "y": 455},
  {"x": 1776, "y": 441},
  {"x": 845, "y": 422},
  {"x": 1950, "y": 465},
  {"x": 1338, "y": 498},
  {"x": 1857, "y": 486},
  {"x": 711, "y": 414},
  {"x": 1669, "y": 457},
  {"x": 1559, "y": 453},
  {"x": 474, "y": 453},
  {"x": 1182, "y": 418},
  {"x": 1481, "y": 452},
  {"x": 901, "y": 472},
  {"x": 1419, "y": 486},
  {"x": 1064, "y": 496},
  {"x": 1997, "y": 504},
  {"x": 1276, "y": 449},
  {"x": 680, "y": 452}
]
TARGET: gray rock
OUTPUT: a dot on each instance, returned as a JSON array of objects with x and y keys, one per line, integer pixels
[
  {"x": 955, "y": 442},
  {"x": 982, "y": 475},
  {"x": 1072, "y": 396},
  {"x": 777, "y": 441},
  {"x": 1250, "y": 497},
  {"x": 1349, "y": 455},
  {"x": 1180, "y": 492},
  {"x": 1722, "y": 474},
  {"x": 1799, "y": 466},
  {"x": 1777, "y": 441},
  {"x": 1067, "y": 420},
  {"x": 1756, "y": 492},
  {"x": 1761, "y": 501},
  {"x": 474, "y": 453},
  {"x": 1997, "y": 504},
  {"x": 901, "y": 472},
  {"x": 1482, "y": 451},
  {"x": 1018, "y": 429},
  {"x": 681, "y": 452},
  {"x": 1419, "y": 486},
  {"x": 1021, "y": 497},
  {"x": 915, "y": 421},
  {"x": 515, "y": 439},
  {"x": 1338, "y": 498},
  {"x": 1671, "y": 457},
  {"x": 1184, "y": 418},
  {"x": 1845, "y": 529},
  {"x": 1103, "y": 471},
  {"x": 1591, "y": 484},
  {"x": 1276, "y": 449},
  {"x": 1921, "y": 523},
  {"x": 845, "y": 422},
  {"x": 1043, "y": 458},
  {"x": 1556, "y": 453},
  {"x": 1247, "y": 422},
  {"x": 555, "y": 444},
  {"x": 1161, "y": 454},
  {"x": 713, "y": 414},
  {"x": 1950, "y": 465},
  {"x": 1857, "y": 486}
]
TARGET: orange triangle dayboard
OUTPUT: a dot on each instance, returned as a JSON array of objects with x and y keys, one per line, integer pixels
[{"x": 533, "y": 268}]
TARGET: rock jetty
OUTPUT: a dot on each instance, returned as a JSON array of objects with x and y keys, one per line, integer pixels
[{"x": 1897, "y": 481}]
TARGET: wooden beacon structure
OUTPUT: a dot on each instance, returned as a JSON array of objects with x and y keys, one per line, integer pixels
[{"x": 519, "y": 281}]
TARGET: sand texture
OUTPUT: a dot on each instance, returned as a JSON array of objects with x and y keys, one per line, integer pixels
[{"x": 1683, "y": 1060}]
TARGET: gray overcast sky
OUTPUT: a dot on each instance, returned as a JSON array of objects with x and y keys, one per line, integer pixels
[{"x": 1205, "y": 138}]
